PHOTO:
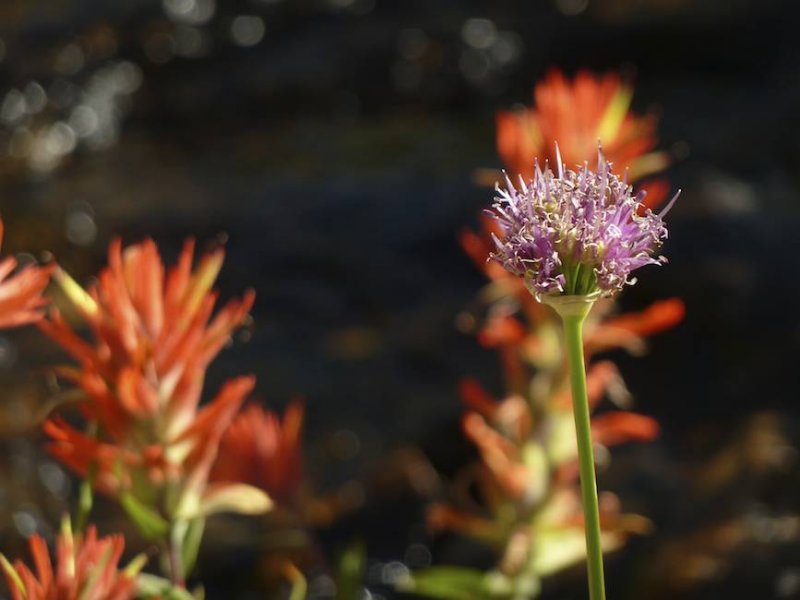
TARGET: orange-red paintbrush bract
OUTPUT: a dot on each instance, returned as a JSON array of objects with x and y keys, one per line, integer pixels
[
  {"x": 152, "y": 334},
  {"x": 21, "y": 292},
  {"x": 86, "y": 567}
]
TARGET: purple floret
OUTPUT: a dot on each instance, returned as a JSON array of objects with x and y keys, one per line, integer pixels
[{"x": 576, "y": 232}]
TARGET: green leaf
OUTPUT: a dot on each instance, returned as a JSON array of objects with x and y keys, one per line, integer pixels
[
  {"x": 236, "y": 498},
  {"x": 191, "y": 544},
  {"x": 151, "y": 587},
  {"x": 350, "y": 571},
  {"x": 458, "y": 583},
  {"x": 150, "y": 524},
  {"x": 135, "y": 566}
]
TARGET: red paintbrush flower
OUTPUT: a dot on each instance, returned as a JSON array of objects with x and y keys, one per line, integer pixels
[
  {"x": 264, "y": 451},
  {"x": 21, "y": 299},
  {"x": 86, "y": 568},
  {"x": 576, "y": 115},
  {"x": 153, "y": 334}
]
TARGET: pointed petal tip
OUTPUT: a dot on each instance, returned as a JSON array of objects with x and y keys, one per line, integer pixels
[
  {"x": 559, "y": 162},
  {"x": 670, "y": 204}
]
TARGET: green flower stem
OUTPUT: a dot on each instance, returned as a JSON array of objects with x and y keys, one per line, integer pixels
[{"x": 573, "y": 335}]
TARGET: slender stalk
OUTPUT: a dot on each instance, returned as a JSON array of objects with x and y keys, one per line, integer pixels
[{"x": 573, "y": 335}]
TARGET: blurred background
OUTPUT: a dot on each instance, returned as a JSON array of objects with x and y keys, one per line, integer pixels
[{"x": 332, "y": 145}]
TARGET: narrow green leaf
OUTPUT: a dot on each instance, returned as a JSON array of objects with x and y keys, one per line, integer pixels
[
  {"x": 236, "y": 498},
  {"x": 136, "y": 565},
  {"x": 150, "y": 524},
  {"x": 458, "y": 583},
  {"x": 152, "y": 586},
  {"x": 191, "y": 544}
]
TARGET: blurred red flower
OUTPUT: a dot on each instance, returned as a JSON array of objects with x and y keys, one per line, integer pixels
[
  {"x": 576, "y": 114},
  {"x": 86, "y": 568},
  {"x": 264, "y": 451},
  {"x": 153, "y": 335},
  {"x": 21, "y": 299}
]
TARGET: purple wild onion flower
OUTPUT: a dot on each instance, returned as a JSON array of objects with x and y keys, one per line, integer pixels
[{"x": 576, "y": 232}]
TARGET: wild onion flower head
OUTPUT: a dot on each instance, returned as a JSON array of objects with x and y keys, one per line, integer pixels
[{"x": 576, "y": 232}]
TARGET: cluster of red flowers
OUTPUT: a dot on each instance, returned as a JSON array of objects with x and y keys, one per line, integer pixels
[
  {"x": 86, "y": 566},
  {"x": 153, "y": 338},
  {"x": 150, "y": 335}
]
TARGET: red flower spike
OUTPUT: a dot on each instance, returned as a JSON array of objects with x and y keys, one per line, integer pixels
[
  {"x": 264, "y": 451},
  {"x": 86, "y": 568},
  {"x": 153, "y": 334},
  {"x": 577, "y": 114}
]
